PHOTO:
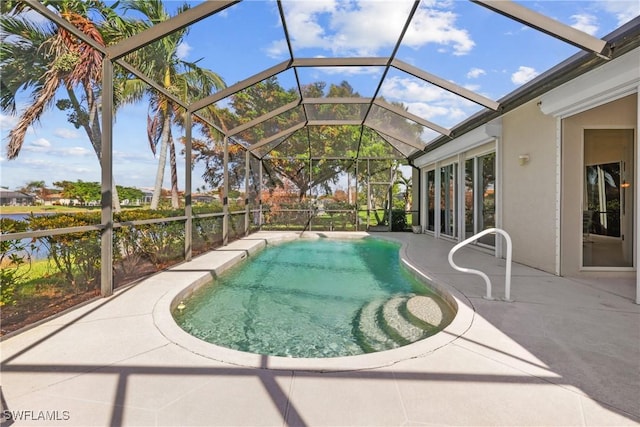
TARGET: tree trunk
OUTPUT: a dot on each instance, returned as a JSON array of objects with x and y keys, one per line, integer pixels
[
  {"x": 175, "y": 201},
  {"x": 92, "y": 128},
  {"x": 162, "y": 161}
]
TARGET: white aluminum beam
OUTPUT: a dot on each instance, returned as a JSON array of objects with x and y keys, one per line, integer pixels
[
  {"x": 346, "y": 100},
  {"x": 334, "y": 122},
  {"x": 548, "y": 26},
  {"x": 340, "y": 62}
]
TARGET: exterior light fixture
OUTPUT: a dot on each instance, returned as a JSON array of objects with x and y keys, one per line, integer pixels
[{"x": 523, "y": 159}]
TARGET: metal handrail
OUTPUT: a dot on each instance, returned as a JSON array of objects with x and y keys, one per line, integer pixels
[{"x": 507, "y": 277}]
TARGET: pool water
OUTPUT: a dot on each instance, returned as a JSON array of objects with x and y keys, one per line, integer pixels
[{"x": 307, "y": 298}]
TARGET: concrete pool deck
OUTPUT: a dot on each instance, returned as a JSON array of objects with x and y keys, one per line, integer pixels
[{"x": 565, "y": 352}]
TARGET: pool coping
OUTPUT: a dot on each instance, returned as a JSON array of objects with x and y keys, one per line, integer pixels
[{"x": 202, "y": 269}]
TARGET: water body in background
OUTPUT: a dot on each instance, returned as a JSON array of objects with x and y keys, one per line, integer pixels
[{"x": 39, "y": 251}]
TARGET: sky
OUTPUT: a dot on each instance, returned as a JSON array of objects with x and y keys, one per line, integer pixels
[{"x": 458, "y": 41}]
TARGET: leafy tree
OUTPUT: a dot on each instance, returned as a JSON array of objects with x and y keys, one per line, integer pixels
[
  {"x": 130, "y": 193},
  {"x": 290, "y": 160},
  {"x": 80, "y": 190},
  {"x": 34, "y": 187},
  {"x": 406, "y": 183},
  {"x": 87, "y": 192}
]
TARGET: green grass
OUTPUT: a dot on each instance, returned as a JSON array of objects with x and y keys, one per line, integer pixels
[{"x": 44, "y": 209}]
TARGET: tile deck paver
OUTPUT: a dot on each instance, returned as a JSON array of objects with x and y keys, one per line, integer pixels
[{"x": 565, "y": 352}]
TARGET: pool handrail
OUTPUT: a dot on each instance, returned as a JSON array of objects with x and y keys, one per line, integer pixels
[{"x": 507, "y": 276}]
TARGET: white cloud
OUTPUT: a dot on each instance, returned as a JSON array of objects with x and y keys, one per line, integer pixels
[
  {"x": 126, "y": 156},
  {"x": 278, "y": 49},
  {"x": 624, "y": 10},
  {"x": 351, "y": 71},
  {"x": 586, "y": 23},
  {"x": 427, "y": 101},
  {"x": 39, "y": 163},
  {"x": 523, "y": 75},
  {"x": 7, "y": 122},
  {"x": 438, "y": 26},
  {"x": 82, "y": 170},
  {"x": 38, "y": 145},
  {"x": 474, "y": 73},
  {"x": 366, "y": 27},
  {"x": 183, "y": 49},
  {"x": 429, "y": 111},
  {"x": 66, "y": 133},
  {"x": 75, "y": 151},
  {"x": 41, "y": 142}
]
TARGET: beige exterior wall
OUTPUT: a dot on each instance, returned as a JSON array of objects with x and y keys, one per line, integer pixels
[
  {"x": 617, "y": 114},
  {"x": 529, "y": 191}
]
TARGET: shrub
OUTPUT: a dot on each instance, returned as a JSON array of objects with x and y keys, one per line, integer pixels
[
  {"x": 15, "y": 260},
  {"x": 160, "y": 242},
  {"x": 75, "y": 255},
  {"x": 398, "y": 220}
]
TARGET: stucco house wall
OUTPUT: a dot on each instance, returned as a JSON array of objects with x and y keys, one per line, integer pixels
[{"x": 529, "y": 187}]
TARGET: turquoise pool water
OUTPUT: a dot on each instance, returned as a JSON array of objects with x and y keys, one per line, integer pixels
[{"x": 306, "y": 298}]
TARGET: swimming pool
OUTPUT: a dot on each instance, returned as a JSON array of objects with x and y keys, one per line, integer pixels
[{"x": 315, "y": 299}]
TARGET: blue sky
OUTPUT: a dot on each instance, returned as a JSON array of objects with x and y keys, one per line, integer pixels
[{"x": 455, "y": 40}]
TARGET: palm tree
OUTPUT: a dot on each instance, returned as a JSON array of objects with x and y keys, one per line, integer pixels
[
  {"x": 186, "y": 80},
  {"x": 407, "y": 183},
  {"x": 46, "y": 58}
]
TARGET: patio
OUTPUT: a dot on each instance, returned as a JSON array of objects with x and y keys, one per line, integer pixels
[{"x": 564, "y": 353}]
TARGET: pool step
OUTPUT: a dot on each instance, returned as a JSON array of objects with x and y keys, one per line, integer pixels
[
  {"x": 371, "y": 336},
  {"x": 396, "y": 322},
  {"x": 385, "y": 324},
  {"x": 425, "y": 311}
]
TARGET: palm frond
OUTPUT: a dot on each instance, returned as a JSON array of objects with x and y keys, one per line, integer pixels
[{"x": 32, "y": 114}]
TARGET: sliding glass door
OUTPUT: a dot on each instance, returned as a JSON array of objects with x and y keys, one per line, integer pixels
[
  {"x": 607, "y": 216},
  {"x": 448, "y": 197},
  {"x": 430, "y": 199},
  {"x": 480, "y": 196}
]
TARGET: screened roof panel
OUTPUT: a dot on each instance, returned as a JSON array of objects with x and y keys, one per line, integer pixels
[
  {"x": 218, "y": 54},
  {"x": 425, "y": 100},
  {"x": 273, "y": 126},
  {"x": 294, "y": 145},
  {"x": 401, "y": 52},
  {"x": 392, "y": 124},
  {"x": 372, "y": 145},
  {"x": 336, "y": 111},
  {"x": 404, "y": 150},
  {"x": 235, "y": 52},
  {"x": 369, "y": 28},
  {"x": 340, "y": 81},
  {"x": 265, "y": 148}
]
